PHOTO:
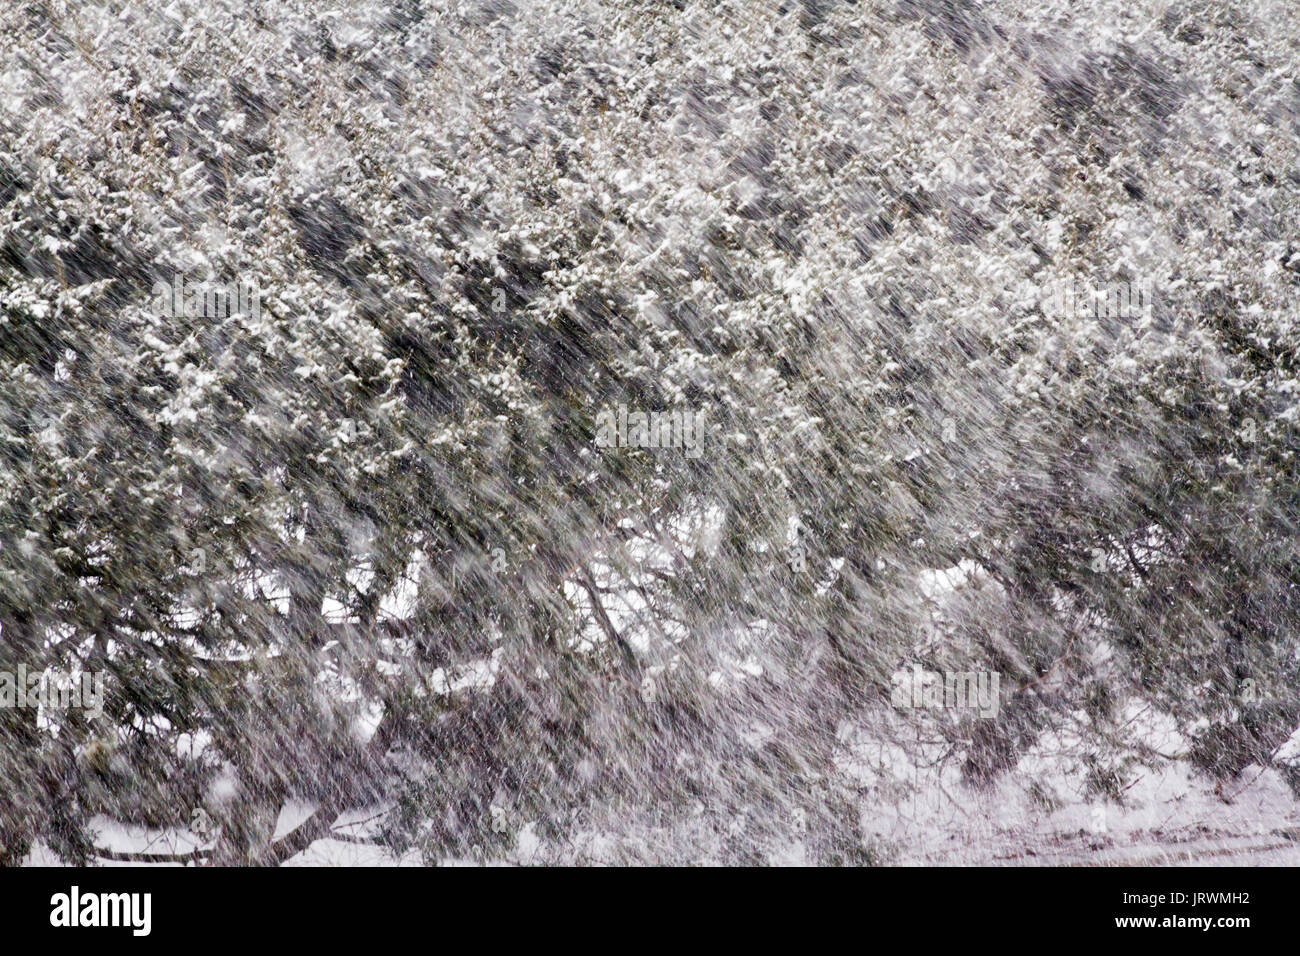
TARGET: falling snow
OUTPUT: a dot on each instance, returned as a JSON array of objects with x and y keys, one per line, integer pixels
[{"x": 564, "y": 431}]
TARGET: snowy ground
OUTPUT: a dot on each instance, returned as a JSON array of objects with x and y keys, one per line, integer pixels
[
  {"x": 1171, "y": 814},
  {"x": 1171, "y": 817},
  {"x": 1172, "y": 820}
]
